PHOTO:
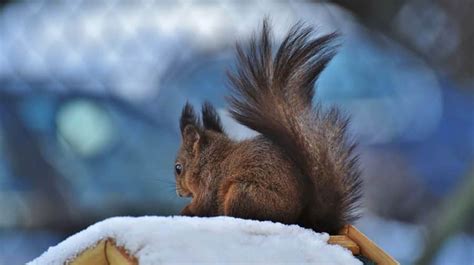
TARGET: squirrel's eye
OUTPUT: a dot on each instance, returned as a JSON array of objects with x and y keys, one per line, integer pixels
[{"x": 178, "y": 168}]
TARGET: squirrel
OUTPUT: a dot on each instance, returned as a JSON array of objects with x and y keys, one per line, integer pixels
[{"x": 301, "y": 169}]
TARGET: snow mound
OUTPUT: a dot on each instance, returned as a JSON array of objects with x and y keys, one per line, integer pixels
[{"x": 193, "y": 240}]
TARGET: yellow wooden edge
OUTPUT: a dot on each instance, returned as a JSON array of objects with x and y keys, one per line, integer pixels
[
  {"x": 118, "y": 255},
  {"x": 345, "y": 242},
  {"x": 105, "y": 252},
  {"x": 367, "y": 247},
  {"x": 93, "y": 255}
]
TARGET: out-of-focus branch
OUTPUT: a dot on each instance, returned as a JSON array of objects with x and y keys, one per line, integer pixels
[
  {"x": 454, "y": 214},
  {"x": 125, "y": 106},
  {"x": 76, "y": 91}
]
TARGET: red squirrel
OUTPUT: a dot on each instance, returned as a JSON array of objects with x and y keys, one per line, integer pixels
[{"x": 301, "y": 169}]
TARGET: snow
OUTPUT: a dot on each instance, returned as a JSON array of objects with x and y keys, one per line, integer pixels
[{"x": 217, "y": 240}]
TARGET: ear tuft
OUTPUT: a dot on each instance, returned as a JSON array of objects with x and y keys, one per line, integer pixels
[
  {"x": 191, "y": 137},
  {"x": 210, "y": 118},
  {"x": 188, "y": 117}
]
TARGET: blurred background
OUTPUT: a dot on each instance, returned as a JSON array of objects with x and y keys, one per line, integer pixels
[{"x": 91, "y": 91}]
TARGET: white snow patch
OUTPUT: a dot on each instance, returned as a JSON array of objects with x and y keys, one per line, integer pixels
[{"x": 193, "y": 240}]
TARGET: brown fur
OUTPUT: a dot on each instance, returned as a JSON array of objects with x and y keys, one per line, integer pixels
[{"x": 300, "y": 170}]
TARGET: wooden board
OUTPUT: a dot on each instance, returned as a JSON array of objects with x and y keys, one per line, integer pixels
[
  {"x": 105, "y": 252},
  {"x": 93, "y": 255},
  {"x": 345, "y": 242},
  {"x": 367, "y": 247}
]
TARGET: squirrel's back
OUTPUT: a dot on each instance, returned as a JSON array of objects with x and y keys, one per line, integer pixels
[{"x": 272, "y": 94}]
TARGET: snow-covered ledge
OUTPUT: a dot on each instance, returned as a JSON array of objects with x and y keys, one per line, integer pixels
[{"x": 192, "y": 240}]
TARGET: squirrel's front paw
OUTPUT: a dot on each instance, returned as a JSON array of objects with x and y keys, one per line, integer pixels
[{"x": 187, "y": 211}]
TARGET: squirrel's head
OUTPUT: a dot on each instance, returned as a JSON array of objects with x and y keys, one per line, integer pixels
[{"x": 201, "y": 147}]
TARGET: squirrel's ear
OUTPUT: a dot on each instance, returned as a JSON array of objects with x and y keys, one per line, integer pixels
[
  {"x": 210, "y": 118},
  {"x": 188, "y": 117},
  {"x": 191, "y": 136}
]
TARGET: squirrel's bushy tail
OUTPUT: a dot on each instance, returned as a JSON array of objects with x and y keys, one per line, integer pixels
[{"x": 272, "y": 94}]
